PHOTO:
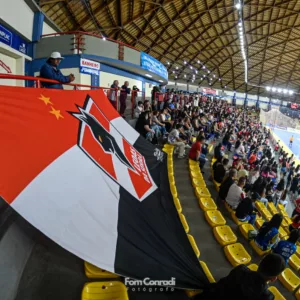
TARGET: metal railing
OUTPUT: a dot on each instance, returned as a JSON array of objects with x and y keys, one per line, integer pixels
[{"x": 113, "y": 94}]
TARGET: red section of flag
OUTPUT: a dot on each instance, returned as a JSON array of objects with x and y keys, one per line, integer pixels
[
  {"x": 35, "y": 129},
  {"x": 140, "y": 177}
]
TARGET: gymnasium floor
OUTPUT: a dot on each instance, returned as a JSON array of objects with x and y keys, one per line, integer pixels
[{"x": 284, "y": 135}]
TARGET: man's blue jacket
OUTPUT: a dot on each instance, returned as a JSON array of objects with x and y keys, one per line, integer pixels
[{"x": 50, "y": 72}]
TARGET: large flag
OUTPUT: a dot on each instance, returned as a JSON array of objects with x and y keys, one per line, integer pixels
[{"x": 73, "y": 168}]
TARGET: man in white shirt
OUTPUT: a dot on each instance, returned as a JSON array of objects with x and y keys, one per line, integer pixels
[
  {"x": 174, "y": 139},
  {"x": 235, "y": 193}
]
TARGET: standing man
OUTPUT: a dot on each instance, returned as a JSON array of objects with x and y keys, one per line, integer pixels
[
  {"x": 113, "y": 95},
  {"x": 125, "y": 90},
  {"x": 50, "y": 71},
  {"x": 291, "y": 141}
]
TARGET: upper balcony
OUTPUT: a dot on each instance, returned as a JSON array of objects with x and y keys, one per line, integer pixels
[{"x": 107, "y": 51}]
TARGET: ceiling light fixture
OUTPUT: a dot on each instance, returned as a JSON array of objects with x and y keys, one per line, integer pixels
[
  {"x": 148, "y": 75},
  {"x": 274, "y": 89},
  {"x": 291, "y": 92},
  {"x": 268, "y": 88},
  {"x": 176, "y": 68},
  {"x": 184, "y": 62},
  {"x": 285, "y": 91},
  {"x": 184, "y": 76},
  {"x": 238, "y": 6},
  {"x": 168, "y": 62},
  {"x": 161, "y": 81},
  {"x": 203, "y": 67},
  {"x": 198, "y": 61}
]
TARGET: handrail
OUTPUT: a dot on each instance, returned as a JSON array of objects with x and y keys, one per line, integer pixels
[
  {"x": 90, "y": 34},
  {"x": 38, "y": 80}
]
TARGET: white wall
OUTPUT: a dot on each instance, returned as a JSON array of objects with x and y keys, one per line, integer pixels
[
  {"x": 107, "y": 79},
  {"x": 193, "y": 88},
  {"x": 15, "y": 60},
  {"x": 148, "y": 89},
  {"x": 239, "y": 102},
  {"x": 17, "y": 14},
  {"x": 47, "y": 29}
]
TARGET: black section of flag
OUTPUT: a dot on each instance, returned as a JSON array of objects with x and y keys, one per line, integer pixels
[{"x": 151, "y": 240}]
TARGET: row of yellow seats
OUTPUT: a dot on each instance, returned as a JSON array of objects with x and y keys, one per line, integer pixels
[
  {"x": 235, "y": 252},
  {"x": 169, "y": 151}
]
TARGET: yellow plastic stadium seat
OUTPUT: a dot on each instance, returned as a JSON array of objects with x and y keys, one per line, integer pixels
[
  {"x": 260, "y": 206},
  {"x": 229, "y": 209},
  {"x": 173, "y": 190},
  {"x": 224, "y": 235},
  {"x": 202, "y": 192},
  {"x": 236, "y": 220},
  {"x": 276, "y": 293},
  {"x": 184, "y": 223},
  {"x": 272, "y": 208},
  {"x": 259, "y": 223},
  {"x": 194, "y": 245},
  {"x": 284, "y": 213},
  {"x": 207, "y": 204},
  {"x": 169, "y": 146},
  {"x": 298, "y": 251},
  {"x": 207, "y": 272},
  {"x": 192, "y": 293},
  {"x": 253, "y": 267},
  {"x": 92, "y": 271},
  {"x": 105, "y": 290},
  {"x": 214, "y": 218},
  {"x": 257, "y": 249},
  {"x": 195, "y": 167},
  {"x": 294, "y": 262},
  {"x": 177, "y": 205},
  {"x": 280, "y": 207},
  {"x": 213, "y": 160},
  {"x": 196, "y": 174},
  {"x": 297, "y": 294},
  {"x": 289, "y": 279},
  {"x": 245, "y": 228},
  {"x": 284, "y": 223},
  {"x": 282, "y": 232},
  {"x": 266, "y": 214},
  {"x": 236, "y": 254},
  {"x": 288, "y": 220},
  {"x": 198, "y": 182},
  {"x": 193, "y": 162},
  {"x": 210, "y": 148}
]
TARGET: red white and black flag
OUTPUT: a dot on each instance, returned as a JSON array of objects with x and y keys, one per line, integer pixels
[{"x": 78, "y": 172}]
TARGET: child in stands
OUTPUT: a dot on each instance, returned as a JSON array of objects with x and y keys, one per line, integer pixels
[
  {"x": 267, "y": 236},
  {"x": 287, "y": 248}
]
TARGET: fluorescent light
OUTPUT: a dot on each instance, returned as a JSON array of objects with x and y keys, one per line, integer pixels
[
  {"x": 214, "y": 76},
  {"x": 168, "y": 62},
  {"x": 220, "y": 79},
  {"x": 268, "y": 88},
  {"x": 176, "y": 68},
  {"x": 225, "y": 86},
  {"x": 285, "y": 91},
  {"x": 184, "y": 76},
  {"x": 191, "y": 67},
  {"x": 148, "y": 75},
  {"x": 238, "y": 6},
  {"x": 274, "y": 89},
  {"x": 279, "y": 90},
  {"x": 240, "y": 24},
  {"x": 196, "y": 71},
  {"x": 103, "y": 38},
  {"x": 184, "y": 62},
  {"x": 208, "y": 71},
  {"x": 160, "y": 81},
  {"x": 175, "y": 76},
  {"x": 198, "y": 61},
  {"x": 203, "y": 67},
  {"x": 291, "y": 92}
]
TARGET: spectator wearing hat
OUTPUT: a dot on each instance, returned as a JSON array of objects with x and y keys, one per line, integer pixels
[{"x": 50, "y": 71}]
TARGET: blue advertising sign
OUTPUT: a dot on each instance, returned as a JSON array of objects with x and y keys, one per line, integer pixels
[
  {"x": 13, "y": 40},
  {"x": 151, "y": 64}
]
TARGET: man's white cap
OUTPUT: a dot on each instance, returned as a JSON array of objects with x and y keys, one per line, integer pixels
[{"x": 56, "y": 55}]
